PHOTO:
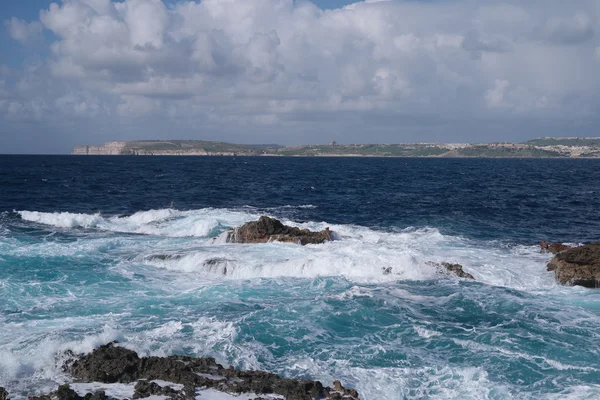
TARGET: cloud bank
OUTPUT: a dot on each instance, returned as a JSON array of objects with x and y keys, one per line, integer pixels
[{"x": 289, "y": 72}]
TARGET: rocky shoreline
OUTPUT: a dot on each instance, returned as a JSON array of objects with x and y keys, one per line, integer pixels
[{"x": 112, "y": 372}]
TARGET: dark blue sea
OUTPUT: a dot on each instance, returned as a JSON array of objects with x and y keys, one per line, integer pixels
[{"x": 95, "y": 249}]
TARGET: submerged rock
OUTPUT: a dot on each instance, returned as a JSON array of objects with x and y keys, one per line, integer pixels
[
  {"x": 553, "y": 248},
  {"x": 455, "y": 269},
  {"x": 268, "y": 229},
  {"x": 578, "y": 266},
  {"x": 114, "y": 364},
  {"x": 163, "y": 257}
]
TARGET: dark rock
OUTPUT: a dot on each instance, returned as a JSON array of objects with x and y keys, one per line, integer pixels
[
  {"x": 268, "y": 229},
  {"x": 553, "y": 248},
  {"x": 3, "y": 394},
  {"x": 111, "y": 364},
  {"x": 65, "y": 392},
  {"x": 97, "y": 395},
  {"x": 578, "y": 266},
  {"x": 455, "y": 269},
  {"x": 144, "y": 388},
  {"x": 108, "y": 364},
  {"x": 164, "y": 257}
]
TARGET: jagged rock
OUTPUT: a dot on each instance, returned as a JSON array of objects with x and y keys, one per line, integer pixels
[
  {"x": 268, "y": 229},
  {"x": 553, "y": 248},
  {"x": 578, "y": 266},
  {"x": 455, "y": 269},
  {"x": 110, "y": 364},
  {"x": 97, "y": 395},
  {"x": 144, "y": 388},
  {"x": 3, "y": 394},
  {"x": 65, "y": 392}
]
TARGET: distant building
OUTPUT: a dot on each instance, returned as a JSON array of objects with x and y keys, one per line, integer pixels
[{"x": 333, "y": 143}]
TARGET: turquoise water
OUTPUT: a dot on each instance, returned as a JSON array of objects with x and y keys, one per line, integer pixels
[{"x": 78, "y": 270}]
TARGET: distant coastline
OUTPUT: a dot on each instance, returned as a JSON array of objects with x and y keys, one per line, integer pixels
[{"x": 565, "y": 147}]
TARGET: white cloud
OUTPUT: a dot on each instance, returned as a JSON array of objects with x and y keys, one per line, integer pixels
[
  {"x": 286, "y": 67},
  {"x": 22, "y": 31}
]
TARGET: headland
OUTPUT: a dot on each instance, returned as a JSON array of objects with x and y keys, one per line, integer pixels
[{"x": 565, "y": 147}]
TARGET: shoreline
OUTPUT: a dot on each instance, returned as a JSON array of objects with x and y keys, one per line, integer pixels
[{"x": 112, "y": 372}]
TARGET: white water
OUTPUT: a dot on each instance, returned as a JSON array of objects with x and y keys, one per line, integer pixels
[
  {"x": 361, "y": 255},
  {"x": 197, "y": 263}
]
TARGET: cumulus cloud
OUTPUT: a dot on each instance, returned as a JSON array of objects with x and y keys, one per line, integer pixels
[
  {"x": 274, "y": 69},
  {"x": 22, "y": 31}
]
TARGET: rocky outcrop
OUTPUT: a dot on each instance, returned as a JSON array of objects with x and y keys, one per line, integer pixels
[
  {"x": 455, "y": 269},
  {"x": 3, "y": 394},
  {"x": 64, "y": 392},
  {"x": 114, "y": 364},
  {"x": 268, "y": 229},
  {"x": 553, "y": 248},
  {"x": 578, "y": 266}
]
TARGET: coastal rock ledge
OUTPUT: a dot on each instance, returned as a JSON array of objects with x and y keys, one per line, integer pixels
[
  {"x": 179, "y": 378},
  {"x": 578, "y": 266},
  {"x": 268, "y": 229}
]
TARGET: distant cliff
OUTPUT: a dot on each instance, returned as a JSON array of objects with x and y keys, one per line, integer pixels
[
  {"x": 109, "y": 149},
  {"x": 169, "y": 148},
  {"x": 538, "y": 148}
]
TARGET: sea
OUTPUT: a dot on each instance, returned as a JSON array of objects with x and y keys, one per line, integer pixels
[{"x": 96, "y": 249}]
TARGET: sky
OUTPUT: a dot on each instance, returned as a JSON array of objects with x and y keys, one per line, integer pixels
[{"x": 296, "y": 72}]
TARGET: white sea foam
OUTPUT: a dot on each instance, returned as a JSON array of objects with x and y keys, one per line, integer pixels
[
  {"x": 362, "y": 254},
  {"x": 117, "y": 390},
  {"x": 164, "y": 222},
  {"x": 213, "y": 394}
]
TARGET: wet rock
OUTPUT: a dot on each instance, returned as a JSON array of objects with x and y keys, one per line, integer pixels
[
  {"x": 455, "y": 269},
  {"x": 144, "y": 388},
  {"x": 578, "y": 266},
  {"x": 268, "y": 229},
  {"x": 164, "y": 257},
  {"x": 3, "y": 394},
  {"x": 97, "y": 395},
  {"x": 216, "y": 261},
  {"x": 110, "y": 364},
  {"x": 342, "y": 392},
  {"x": 553, "y": 248},
  {"x": 65, "y": 392}
]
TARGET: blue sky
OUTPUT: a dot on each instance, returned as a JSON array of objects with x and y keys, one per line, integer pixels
[{"x": 272, "y": 71}]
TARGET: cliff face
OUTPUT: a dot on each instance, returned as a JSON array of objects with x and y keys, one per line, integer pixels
[
  {"x": 108, "y": 149},
  {"x": 208, "y": 148},
  {"x": 166, "y": 148}
]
